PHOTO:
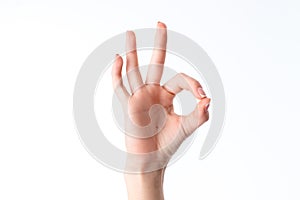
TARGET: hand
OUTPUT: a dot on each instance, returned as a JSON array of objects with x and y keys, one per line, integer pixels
[{"x": 151, "y": 124}]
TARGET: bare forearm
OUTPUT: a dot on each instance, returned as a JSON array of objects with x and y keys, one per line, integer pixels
[{"x": 146, "y": 186}]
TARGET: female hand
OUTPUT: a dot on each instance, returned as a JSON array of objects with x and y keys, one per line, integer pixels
[{"x": 151, "y": 123}]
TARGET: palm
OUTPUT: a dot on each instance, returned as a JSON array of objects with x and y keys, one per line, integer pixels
[{"x": 138, "y": 109}]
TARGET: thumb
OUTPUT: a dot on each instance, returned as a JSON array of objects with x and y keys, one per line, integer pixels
[{"x": 196, "y": 118}]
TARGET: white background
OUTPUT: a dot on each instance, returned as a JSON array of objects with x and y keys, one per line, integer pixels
[{"x": 254, "y": 44}]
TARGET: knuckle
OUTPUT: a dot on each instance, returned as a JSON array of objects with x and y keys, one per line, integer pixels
[{"x": 181, "y": 75}]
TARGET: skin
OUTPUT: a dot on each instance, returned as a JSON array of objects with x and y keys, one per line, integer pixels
[{"x": 149, "y": 185}]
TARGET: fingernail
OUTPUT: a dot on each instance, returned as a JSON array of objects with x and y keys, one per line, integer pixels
[
  {"x": 206, "y": 107},
  {"x": 161, "y": 25},
  {"x": 201, "y": 92},
  {"x": 117, "y": 55},
  {"x": 128, "y": 34}
]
